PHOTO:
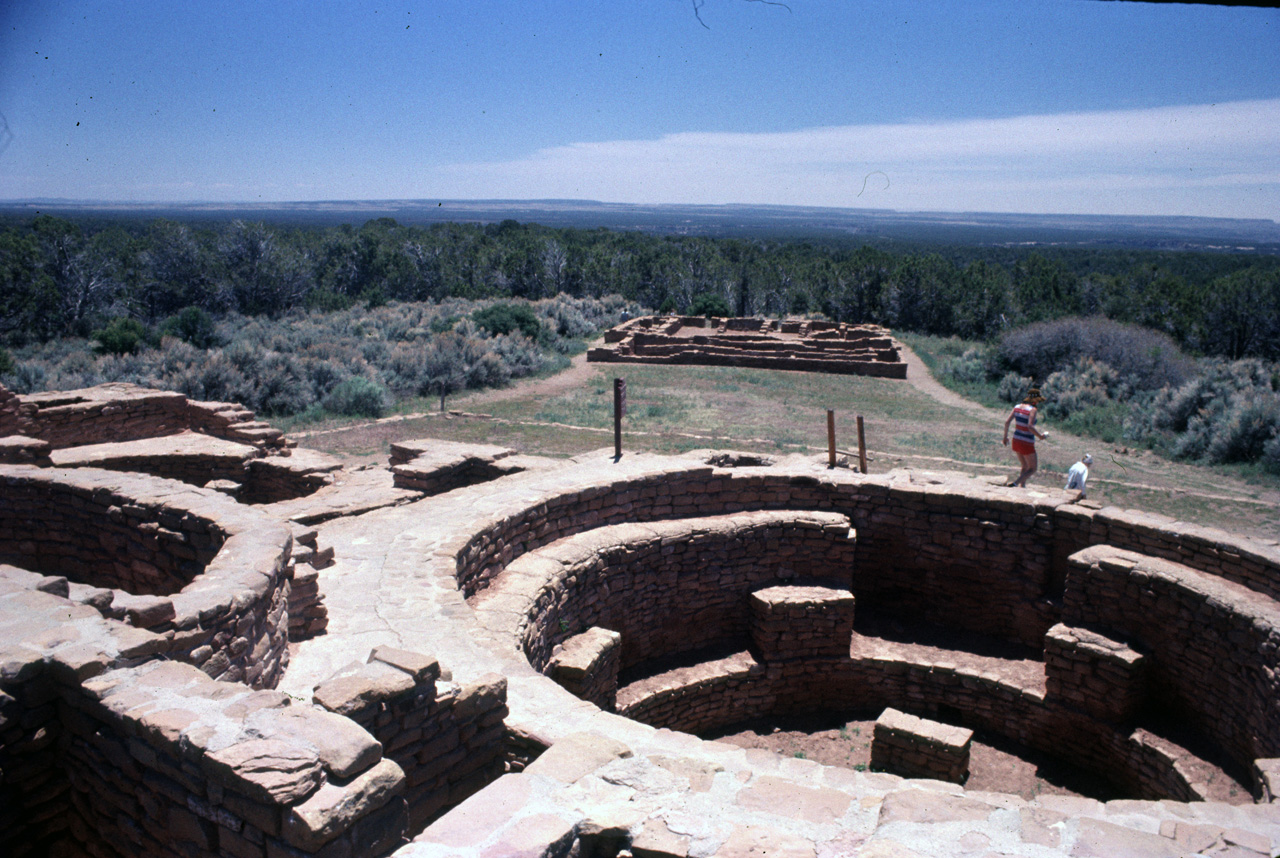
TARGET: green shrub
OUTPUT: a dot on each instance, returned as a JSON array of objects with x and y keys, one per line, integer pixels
[
  {"x": 709, "y": 304},
  {"x": 6, "y": 362},
  {"x": 1271, "y": 455},
  {"x": 121, "y": 336},
  {"x": 505, "y": 318},
  {"x": 441, "y": 324},
  {"x": 192, "y": 325},
  {"x": 358, "y": 397}
]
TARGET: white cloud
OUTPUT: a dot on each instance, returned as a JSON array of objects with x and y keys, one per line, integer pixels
[{"x": 1220, "y": 159}]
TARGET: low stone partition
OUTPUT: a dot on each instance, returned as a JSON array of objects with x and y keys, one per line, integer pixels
[
  {"x": 106, "y": 751},
  {"x": 433, "y": 467},
  {"x": 913, "y": 747},
  {"x": 586, "y": 665},
  {"x": 1236, "y": 558},
  {"x": 701, "y": 697},
  {"x": 448, "y": 740},
  {"x": 276, "y": 478},
  {"x": 1105, "y": 678},
  {"x": 211, "y": 575},
  {"x": 124, "y": 412},
  {"x": 666, "y": 587},
  {"x": 188, "y": 456},
  {"x": 1211, "y": 643},
  {"x": 794, "y": 621}
]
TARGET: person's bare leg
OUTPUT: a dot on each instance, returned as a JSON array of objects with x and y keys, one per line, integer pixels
[{"x": 1029, "y": 463}]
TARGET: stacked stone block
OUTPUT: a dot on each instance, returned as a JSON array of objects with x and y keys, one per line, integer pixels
[
  {"x": 275, "y": 478},
  {"x": 586, "y": 665},
  {"x": 1084, "y": 669},
  {"x": 434, "y": 467},
  {"x": 801, "y": 621},
  {"x": 914, "y": 747},
  {"x": 448, "y": 740},
  {"x": 107, "y": 754}
]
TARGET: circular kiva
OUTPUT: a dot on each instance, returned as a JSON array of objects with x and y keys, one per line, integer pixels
[
  {"x": 208, "y": 575},
  {"x": 721, "y": 594}
]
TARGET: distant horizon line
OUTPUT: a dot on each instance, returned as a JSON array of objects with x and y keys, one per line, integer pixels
[{"x": 439, "y": 202}]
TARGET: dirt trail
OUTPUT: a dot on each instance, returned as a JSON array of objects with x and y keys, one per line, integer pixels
[
  {"x": 922, "y": 380},
  {"x": 573, "y": 378}
]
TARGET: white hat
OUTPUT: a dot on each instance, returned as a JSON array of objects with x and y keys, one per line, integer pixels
[{"x": 1088, "y": 460}]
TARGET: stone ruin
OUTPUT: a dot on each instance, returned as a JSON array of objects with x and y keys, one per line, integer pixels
[
  {"x": 519, "y": 653},
  {"x": 802, "y": 345}
]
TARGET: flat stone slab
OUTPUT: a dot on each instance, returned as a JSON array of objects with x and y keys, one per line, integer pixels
[{"x": 184, "y": 445}]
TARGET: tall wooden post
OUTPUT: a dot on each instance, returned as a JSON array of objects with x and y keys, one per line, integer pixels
[
  {"x": 862, "y": 447},
  {"x": 619, "y": 409},
  {"x": 831, "y": 438}
]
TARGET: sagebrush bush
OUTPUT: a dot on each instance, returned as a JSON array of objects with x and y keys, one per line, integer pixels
[
  {"x": 968, "y": 368},
  {"x": 1146, "y": 359},
  {"x": 358, "y": 397},
  {"x": 1013, "y": 387},
  {"x": 289, "y": 364},
  {"x": 1085, "y": 384},
  {"x": 1244, "y": 430},
  {"x": 1229, "y": 413}
]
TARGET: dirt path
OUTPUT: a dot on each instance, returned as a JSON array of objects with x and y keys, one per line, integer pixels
[
  {"x": 573, "y": 378},
  {"x": 922, "y": 380}
]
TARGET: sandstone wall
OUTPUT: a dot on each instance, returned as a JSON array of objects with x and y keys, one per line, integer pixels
[
  {"x": 676, "y": 586},
  {"x": 960, "y": 555},
  {"x": 210, "y": 575},
  {"x": 1211, "y": 644},
  {"x": 122, "y": 412},
  {"x": 110, "y": 753},
  {"x": 449, "y": 740}
]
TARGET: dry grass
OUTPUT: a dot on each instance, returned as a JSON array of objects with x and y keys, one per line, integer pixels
[{"x": 675, "y": 409}]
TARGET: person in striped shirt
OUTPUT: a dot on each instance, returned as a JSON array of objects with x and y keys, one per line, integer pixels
[{"x": 1023, "y": 418}]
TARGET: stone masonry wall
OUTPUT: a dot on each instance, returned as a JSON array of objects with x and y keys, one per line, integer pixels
[
  {"x": 976, "y": 562},
  {"x": 123, "y": 412},
  {"x": 919, "y": 748},
  {"x": 586, "y": 665},
  {"x": 717, "y": 694},
  {"x": 110, "y": 753},
  {"x": 448, "y": 740},
  {"x": 988, "y": 560},
  {"x": 208, "y": 574},
  {"x": 1211, "y": 644},
  {"x": 686, "y": 582}
]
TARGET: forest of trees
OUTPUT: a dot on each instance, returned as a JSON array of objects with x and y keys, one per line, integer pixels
[{"x": 59, "y": 278}]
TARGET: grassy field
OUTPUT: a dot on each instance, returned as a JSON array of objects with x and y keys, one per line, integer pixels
[{"x": 676, "y": 409}]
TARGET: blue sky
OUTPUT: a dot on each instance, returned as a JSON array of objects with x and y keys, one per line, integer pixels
[{"x": 1071, "y": 106}]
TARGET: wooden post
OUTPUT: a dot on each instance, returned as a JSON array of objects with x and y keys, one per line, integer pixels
[
  {"x": 619, "y": 409},
  {"x": 862, "y": 447},
  {"x": 831, "y": 438}
]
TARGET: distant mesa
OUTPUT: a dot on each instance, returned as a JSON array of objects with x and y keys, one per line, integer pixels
[{"x": 793, "y": 344}]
